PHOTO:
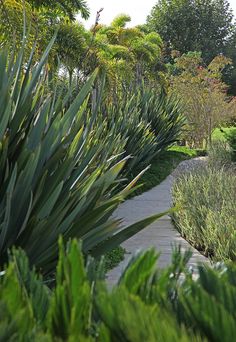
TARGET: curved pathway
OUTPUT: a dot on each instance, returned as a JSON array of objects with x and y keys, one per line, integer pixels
[{"x": 162, "y": 235}]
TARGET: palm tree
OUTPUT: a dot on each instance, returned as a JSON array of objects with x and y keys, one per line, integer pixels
[
  {"x": 62, "y": 8},
  {"x": 126, "y": 53}
]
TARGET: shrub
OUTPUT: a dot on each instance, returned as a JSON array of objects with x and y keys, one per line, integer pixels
[
  {"x": 165, "y": 115},
  {"x": 230, "y": 136},
  {"x": 139, "y": 140},
  {"x": 57, "y": 172},
  {"x": 149, "y": 121},
  {"x": 207, "y": 213},
  {"x": 114, "y": 257},
  {"x": 146, "y": 305},
  {"x": 220, "y": 153},
  {"x": 203, "y": 96}
]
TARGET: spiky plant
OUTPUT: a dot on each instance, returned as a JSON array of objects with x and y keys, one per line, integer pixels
[
  {"x": 147, "y": 304},
  {"x": 149, "y": 122},
  {"x": 57, "y": 171}
]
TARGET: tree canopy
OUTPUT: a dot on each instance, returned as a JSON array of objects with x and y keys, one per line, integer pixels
[
  {"x": 60, "y": 8},
  {"x": 202, "y": 94},
  {"x": 193, "y": 25}
]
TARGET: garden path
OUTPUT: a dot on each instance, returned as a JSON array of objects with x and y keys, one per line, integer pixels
[{"x": 162, "y": 235}]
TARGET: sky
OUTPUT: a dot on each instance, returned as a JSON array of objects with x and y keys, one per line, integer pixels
[{"x": 137, "y": 9}]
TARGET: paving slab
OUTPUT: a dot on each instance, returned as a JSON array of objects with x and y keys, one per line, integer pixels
[{"x": 161, "y": 235}]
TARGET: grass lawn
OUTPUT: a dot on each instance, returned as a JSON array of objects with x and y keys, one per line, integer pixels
[
  {"x": 219, "y": 133},
  {"x": 163, "y": 165}
]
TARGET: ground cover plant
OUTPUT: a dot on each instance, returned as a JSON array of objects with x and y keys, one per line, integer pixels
[
  {"x": 220, "y": 154},
  {"x": 113, "y": 258},
  {"x": 207, "y": 213},
  {"x": 163, "y": 165},
  {"x": 147, "y": 304}
]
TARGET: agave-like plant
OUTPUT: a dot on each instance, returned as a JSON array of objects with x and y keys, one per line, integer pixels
[
  {"x": 149, "y": 122},
  {"x": 56, "y": 177},
  {"x": 139, "y": 140},
  {"x": 164, "y": 113}
]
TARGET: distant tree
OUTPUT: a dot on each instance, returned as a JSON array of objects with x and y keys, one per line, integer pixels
[
  {"x": 42, "y": 19},
  {"x": 127, "y": 53},
  {"x": 71, "y": 46},
  {"x": 230, "y": 72},
  {"x": 12, "y": 21},
  {"x": 203, "y": 95},
  {"x": 193, "y": 25}
]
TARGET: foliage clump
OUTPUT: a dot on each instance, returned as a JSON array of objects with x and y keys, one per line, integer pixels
[
  {"x": 147, "y": 304},
  {"x": 203, "y": 96},
  {"x": 193, "y": 25},
  {"x": 206, "y": 200},
  {"x": 230, "y": 136},
  {"x": 63, "y": 163}
]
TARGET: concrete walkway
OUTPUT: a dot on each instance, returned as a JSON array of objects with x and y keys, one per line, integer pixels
[{"x": 160, "y": 235}]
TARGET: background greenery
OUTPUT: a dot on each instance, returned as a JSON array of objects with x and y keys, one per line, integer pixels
[{"x": 186, "y": 47}]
